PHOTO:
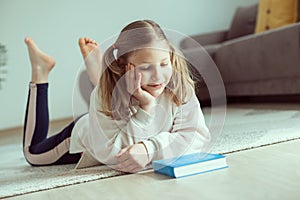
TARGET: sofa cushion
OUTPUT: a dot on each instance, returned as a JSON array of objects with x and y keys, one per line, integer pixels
[
  {"x": 243, "y": 22},
  {"x": 212, "y": 49},
  {"x": 276, "y": 13}
]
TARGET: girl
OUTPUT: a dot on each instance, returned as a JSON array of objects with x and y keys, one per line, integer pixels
[{"x": 144, "y": 107}]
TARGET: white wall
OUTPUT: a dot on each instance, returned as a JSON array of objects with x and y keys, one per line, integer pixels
[{"x": 57, "y": 24}]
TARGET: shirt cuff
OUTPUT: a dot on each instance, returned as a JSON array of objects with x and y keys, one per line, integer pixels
[{"x": 151, "y": 150}]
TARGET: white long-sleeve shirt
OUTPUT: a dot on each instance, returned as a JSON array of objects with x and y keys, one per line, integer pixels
[{"x": 170, "y": 131}]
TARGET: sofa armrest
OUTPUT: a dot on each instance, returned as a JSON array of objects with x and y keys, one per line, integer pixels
[
  {"x": 204, "y": 39},
  {"x": 269, "y": 55}
]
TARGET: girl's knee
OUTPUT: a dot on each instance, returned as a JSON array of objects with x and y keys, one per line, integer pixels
[{"x": 31, "y": 158}]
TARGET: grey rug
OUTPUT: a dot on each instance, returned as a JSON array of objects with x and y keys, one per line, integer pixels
[
  {"x": 245, "y": 128},
  {"x": 251, "y": 128},
  {"x": 21, "y": 178}
]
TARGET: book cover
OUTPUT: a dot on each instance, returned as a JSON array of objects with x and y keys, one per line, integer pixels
[{"x": 190, "y": 164}]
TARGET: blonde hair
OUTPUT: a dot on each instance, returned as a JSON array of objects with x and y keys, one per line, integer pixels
[{"x": 141, "y": 34}]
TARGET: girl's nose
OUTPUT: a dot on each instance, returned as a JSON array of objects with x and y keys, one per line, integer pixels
[{"x": 156, "y": 73}]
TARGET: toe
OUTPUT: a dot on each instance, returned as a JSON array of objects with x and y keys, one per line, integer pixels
[
  {"x": 28, "y": 40},
  {"x": 81, "y": 41}
]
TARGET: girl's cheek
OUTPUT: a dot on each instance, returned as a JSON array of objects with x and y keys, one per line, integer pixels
[
  {"x": 168, "y": 72},
  {"x": 145, "y": 78}
]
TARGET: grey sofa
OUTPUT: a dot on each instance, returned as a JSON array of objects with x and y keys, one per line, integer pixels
[{"x": 264, "y": 66}]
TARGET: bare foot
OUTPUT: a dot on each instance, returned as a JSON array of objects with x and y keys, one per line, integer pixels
[
  {"x": 41, "y": 63},
  {"x": 92, "y": 57},
  {"x": 87, "y": 45}
]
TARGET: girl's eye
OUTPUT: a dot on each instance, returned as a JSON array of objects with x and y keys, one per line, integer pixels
[
  {"x": 164, "y": 64},
  {"x": 145, "y": 67}
]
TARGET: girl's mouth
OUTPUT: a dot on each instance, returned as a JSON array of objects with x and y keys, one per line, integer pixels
[{"x": 156, "y": 86}]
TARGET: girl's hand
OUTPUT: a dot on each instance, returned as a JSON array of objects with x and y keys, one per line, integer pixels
[
  {"x": 134, "y": 87},
  {"x": 132, "y": 158}
]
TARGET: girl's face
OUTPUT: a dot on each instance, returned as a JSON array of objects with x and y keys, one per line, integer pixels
[{"x": 155, "y": 67}]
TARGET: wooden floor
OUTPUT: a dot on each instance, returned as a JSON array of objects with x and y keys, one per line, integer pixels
[{"x": 270, "y": 172}]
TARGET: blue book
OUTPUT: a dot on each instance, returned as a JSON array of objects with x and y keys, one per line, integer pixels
[{"x": 190, "y": 164}]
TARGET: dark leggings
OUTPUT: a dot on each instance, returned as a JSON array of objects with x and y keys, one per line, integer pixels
[{"x": 38, "y": 149}]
